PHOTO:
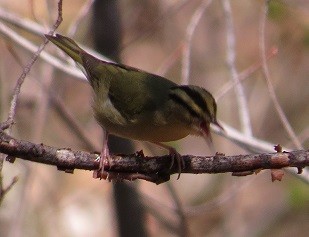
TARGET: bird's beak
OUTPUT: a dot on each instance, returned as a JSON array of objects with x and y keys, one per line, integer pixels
[{"x": 218, "y": 125}]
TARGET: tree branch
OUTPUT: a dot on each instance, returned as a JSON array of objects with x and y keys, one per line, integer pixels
[{"x": 154, "y": 169}]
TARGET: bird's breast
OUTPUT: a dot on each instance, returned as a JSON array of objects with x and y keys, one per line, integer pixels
[{"x": 152, "y": 126}]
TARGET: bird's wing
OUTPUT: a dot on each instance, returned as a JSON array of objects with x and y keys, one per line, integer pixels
[{"x": 135, "y": 93}]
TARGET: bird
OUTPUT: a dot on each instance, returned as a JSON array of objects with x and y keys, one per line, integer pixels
[{"x": 138, "y": 105}]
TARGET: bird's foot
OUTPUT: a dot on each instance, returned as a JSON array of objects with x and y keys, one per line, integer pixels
[
  {"x": 140, "y": 154},
  {"x": 101, "y": 173},
  {"x": 180, "y": 161},
  {"x": 174, "y": 156}
]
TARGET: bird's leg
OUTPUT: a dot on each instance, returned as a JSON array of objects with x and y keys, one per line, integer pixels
[
  {"x": 175, "y": 156},
  {"x": 103, "y": 156}
]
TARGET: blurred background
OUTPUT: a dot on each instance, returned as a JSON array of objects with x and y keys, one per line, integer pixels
[{"x": 180, "y": 40}]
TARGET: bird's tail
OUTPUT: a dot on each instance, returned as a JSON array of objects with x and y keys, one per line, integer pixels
[{"x": 68, "y": 46}]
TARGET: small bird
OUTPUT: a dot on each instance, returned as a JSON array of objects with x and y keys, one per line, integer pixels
[{"x": 135, "y": 104}]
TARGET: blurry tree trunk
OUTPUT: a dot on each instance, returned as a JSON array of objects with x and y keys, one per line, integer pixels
[{"x": 106, "y": 28}]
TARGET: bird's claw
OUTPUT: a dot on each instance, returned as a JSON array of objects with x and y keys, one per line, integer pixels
[
  {"x": 101, "y": 173},
  {"x": 180, "y": 161}
]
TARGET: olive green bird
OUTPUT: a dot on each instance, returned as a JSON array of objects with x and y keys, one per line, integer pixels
[{"x": 138, "y": 105}]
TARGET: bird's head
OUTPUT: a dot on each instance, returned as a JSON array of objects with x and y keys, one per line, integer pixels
[{"x": 200, "y": 105}]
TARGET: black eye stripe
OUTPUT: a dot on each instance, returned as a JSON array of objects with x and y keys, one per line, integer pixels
[
  {"x": 176, "y": 98},
  {"x": 196, "y": 97}
]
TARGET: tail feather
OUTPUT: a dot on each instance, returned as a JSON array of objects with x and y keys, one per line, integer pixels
[{"x": 67, "y": 45}]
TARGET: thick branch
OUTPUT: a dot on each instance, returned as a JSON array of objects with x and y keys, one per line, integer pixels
[{"x": 154, "y": 169}]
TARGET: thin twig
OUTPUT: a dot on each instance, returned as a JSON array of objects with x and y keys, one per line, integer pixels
[
  {"x": 42, "y": 102},
  {"x": 282, "y": 116},
  {"x": 26, "y": 44},
  {"x": 20, "y": 22},
  {"x": 63, "y": 112},
  {"x": 168, "y": 13},
  {"x": 161, "y": 216},
  {"x": 4, "y": 191},
  {"x": 243, "y": 108},
  {"x": 169, "y": 61},
  {"x": 197, "y": 210},
  {"x": 28, "y": 67},
  {"x": 195, "y": 19},
  {"x": 304, "y": 135},
  {"x": 245, "y": 74},
  {"x": 71, "y": 122},
  {"x": 32, "y": 11},
  {"x": 183, "y": 229},
  {"x": 79, "y": 17},
  {"x": 217, "y": 201},
  {"x": 34, "y": 28}
]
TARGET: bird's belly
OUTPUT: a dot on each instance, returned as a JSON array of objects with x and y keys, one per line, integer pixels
[
  {"x": 148, "y": 131},
  {"x": 152, "y": 126}
]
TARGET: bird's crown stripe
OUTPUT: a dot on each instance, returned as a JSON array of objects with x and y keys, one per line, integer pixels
[
  {"x": 197, "y": 99},
  {"x": 178, "y": 98}
]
